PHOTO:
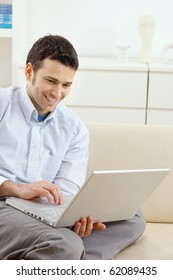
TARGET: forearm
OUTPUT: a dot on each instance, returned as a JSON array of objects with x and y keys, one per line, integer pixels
[
  {"x": 8, "y": 188},
  {"x": 32, "y": 190}
]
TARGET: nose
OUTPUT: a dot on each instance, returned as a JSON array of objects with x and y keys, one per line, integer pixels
[{"x": 59, "y": 91}]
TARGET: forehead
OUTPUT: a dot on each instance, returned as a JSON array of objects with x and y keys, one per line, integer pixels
[{"x": 56, "y": 69}]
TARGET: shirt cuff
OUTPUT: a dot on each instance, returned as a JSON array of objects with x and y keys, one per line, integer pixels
[{"x": 3, "y": 179}]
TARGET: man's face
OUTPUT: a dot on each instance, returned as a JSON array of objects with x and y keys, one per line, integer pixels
[{"x": 49, "y": 85}]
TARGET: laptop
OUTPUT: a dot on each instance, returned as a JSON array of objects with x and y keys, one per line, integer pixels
[{"x": 107, "y": 195}]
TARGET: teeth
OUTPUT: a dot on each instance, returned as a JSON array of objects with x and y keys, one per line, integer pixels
[{"x": 50, "y": 99}]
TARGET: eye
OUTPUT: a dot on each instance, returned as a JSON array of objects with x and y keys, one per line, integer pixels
[
  {"x": 51, "y": 81},
  {"x": 66, "y": 85}
]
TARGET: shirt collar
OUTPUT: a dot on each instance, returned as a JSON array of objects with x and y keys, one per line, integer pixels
[{"x": 28, "y": 108}]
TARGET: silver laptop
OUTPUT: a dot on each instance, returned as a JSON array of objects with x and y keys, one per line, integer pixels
[{"x": 110, "y": 195}]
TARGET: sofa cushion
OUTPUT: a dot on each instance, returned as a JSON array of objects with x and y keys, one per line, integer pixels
[{"x": 155, "y": 244}]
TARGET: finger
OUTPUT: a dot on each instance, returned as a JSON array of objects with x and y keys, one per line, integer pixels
[
  {"x": 80, "y": 227},
  {"x": 60, "y": 197},
  {"x": 55, "y": 192},
  {"x": 76, "y": 227},
  {"x": 89, "y": 226},
  {"x": 57, "y": 195},
  {"x": 45, "y": 193},
  {"x": 99, "y": 226}
]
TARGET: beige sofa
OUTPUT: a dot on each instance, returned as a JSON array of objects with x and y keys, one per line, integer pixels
[{"x": 140, "y": 146}]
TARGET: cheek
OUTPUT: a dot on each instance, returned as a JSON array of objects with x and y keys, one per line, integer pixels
[
  {"x": 66, "y": 92},
  {"x": 36, "y": 92},
  {"x": 43, "y": 87},
  {"x": 39, "y": 88}
]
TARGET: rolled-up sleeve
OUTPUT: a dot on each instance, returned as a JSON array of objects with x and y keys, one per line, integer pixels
[{"x": 3, "y": 179}]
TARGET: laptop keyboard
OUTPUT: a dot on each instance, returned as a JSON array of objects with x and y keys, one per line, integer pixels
[
  {"x": 48, "y": 212},
  {"x": 52, "y": 212}
]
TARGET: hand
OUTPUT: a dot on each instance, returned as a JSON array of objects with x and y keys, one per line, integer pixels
[
  {"x": 84, "y": 227},
  {"x": 33, "y": 190}
]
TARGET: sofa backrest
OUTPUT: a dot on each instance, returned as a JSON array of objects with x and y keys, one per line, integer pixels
[{"x": 134, "y": 147}]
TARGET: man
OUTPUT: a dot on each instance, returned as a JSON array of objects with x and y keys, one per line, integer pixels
[{"x": 44, "y": 152}]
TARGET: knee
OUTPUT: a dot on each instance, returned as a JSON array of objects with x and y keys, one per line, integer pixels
[
  {"x": 139, "y": 224},
  {"x": 74, "y": 246},
  {"x": 56, "y": 244},
  {"x": 70, "y": 247}
]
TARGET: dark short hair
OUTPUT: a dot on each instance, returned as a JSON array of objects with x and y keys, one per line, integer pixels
[{"x": 53, "y": 47}]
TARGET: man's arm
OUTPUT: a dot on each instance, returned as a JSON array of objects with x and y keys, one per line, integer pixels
[{"x": 32, "y": 190}]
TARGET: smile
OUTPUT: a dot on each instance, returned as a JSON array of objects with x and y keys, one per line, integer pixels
[{"x": 50, "y": 99}]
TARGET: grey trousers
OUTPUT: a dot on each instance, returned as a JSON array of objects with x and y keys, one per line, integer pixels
[{"x": 22, "y": 237}]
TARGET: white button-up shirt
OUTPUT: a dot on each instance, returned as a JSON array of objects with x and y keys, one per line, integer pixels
[{"x": 55, "y": 150}]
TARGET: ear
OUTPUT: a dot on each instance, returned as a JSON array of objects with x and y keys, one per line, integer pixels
[{"x": 28, "y": 71}]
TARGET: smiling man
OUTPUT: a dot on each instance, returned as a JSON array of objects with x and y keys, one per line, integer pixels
[
  {"x": 44, "y": 153},
  {"x": 49, "y": 85}
]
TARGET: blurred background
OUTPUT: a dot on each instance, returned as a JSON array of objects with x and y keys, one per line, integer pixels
[{"x": 99, "y": 30}]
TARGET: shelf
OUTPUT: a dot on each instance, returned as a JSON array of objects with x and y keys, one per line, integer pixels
[
  {"x": 110, "y": 63},
  {"x": 5, "y": 32},
  {"x": 161, "y": 67}
]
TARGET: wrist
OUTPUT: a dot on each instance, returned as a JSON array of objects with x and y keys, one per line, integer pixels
[{"x": 8, "y": 188}]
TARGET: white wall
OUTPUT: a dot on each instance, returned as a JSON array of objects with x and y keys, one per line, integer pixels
[
  {"x": 5, "y": 62},
  {"x": 95, "y": 27}
]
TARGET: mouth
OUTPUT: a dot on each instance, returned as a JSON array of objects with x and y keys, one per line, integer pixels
[{"x": 50, "y": 99}]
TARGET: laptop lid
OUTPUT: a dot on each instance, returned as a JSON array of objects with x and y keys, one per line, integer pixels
[{"x": 108, "y": 195}]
